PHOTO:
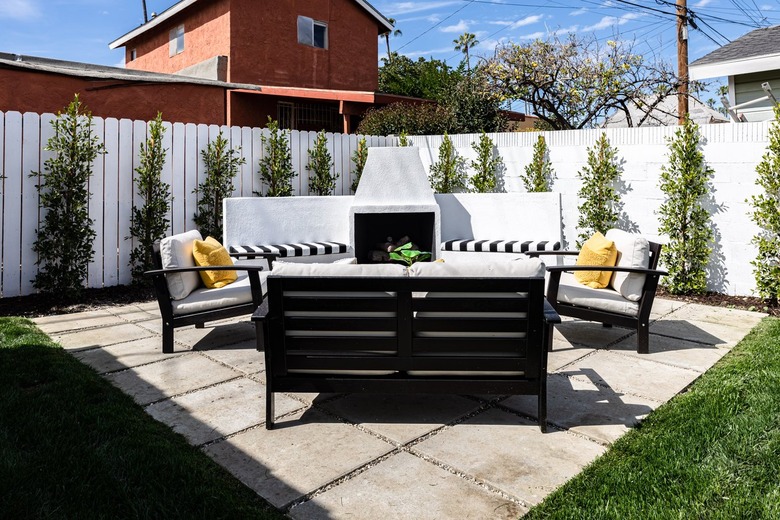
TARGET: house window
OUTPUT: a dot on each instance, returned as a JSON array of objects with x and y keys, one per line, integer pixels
[
  {"x": 176, "y": 39},
  {"x": 311, "y": 117},
  {"x": 132, "y": 54},
  {"x": 312, "y": 32}
]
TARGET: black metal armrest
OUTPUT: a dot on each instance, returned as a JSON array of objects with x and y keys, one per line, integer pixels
[
  {"x": 197, "y": 268},
  {"x": 261, "y": 313},
  {"x": 550, "y": 314},
  {"x": 534, "y": 254},
  {"x": 611, "y": 268}
]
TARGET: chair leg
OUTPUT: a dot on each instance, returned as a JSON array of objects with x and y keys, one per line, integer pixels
[
  {"x": 607, "y": 325},
  {"x": 643, "y": 338},
  {"x": 200, "y": 325},
  {"x": 167, "y": 338},
  {"x": 542, "y": 411},
  {"x": 269, "y": 409}
]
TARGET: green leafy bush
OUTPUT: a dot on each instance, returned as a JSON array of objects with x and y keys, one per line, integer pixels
[
  {"x": 538, "y": 174},
  {"x": 422, "y": 119},
  {"x": 486, "y": 166},
  {"x": 448, "y": 174},
  {"x": 683, "y": 217},
  {"x": 407, "y": 255},
  {"x": 149, "y": 222},
  {"x": 766, "y": 214},
  {"x": 222, "y": 165},
  {"x": 600, "y": 207},
  {"x": 323, "y": 181},
  {"x": 276, "y": 170},
  {"x": 359, "y": 160},
  {"x": 64, "y": 240}
]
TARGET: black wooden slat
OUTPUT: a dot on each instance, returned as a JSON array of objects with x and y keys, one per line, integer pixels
[
  {"x": 330, "y": 303},
  {"x": 332, "y": 323},
  {"x": 470, "y": 363},
  {"x": 460, "y": 304},
  {"x": 336, "y": 344},
  {"x": 457, "y": 346},
  {"x": 469, "y": 325},
  {"x": 344, "y": 363}
]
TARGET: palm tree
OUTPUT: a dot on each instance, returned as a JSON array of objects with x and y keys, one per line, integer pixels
[
  {"x": 395, "y": 32},
  {"x": 464, "y": 42}
]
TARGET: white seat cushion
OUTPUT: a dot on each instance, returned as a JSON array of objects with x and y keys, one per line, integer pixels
[
  {"x": 176, "y": 251},
  {"x": 633, "y": 251},
  {"x": 205, "y": 299},
  {"x": 573, "y": 292},
  {"x": 520, "y": 268},
  {"x": 291, "y": 269}
]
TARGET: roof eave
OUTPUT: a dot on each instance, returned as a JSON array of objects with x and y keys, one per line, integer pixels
[{"x": 734, "y": 67}]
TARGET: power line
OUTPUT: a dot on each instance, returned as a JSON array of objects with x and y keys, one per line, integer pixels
[{"x": 432, "y": 27}]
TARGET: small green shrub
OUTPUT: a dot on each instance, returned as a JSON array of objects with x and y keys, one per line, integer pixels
[
  {"x": 222, "y": 166},
  {"x": 409, "y": 256},
  {"x": 683, "y": 217},
  {"x": 359, "y": 160},
  {"x": 486, "y": 166},
  {"x": 323, "y": 181},
  {"x": 64, "y": 240},
  {"x": 448, "y": 174},
  {"x": 276, "y": 170},
  {"x": 422, "y": 119},
  {"x": 766, "y": 214},
  {"x": 600, "y": 207},
  {"x": 403, "y": 139},
  {"x": 149, "y": 222},
  {"x": 539, "y": 175}
]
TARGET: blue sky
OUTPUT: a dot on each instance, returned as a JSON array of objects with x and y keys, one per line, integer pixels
[{"x": 81, "y": 30}]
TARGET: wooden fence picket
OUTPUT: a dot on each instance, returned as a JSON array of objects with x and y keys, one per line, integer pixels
[{"x": 12, "y": 209}]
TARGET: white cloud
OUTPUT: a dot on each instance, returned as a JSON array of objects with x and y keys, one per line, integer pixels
[
  {"x": 702, "y": 3},
  {"x": 533, "y": 36},
  {"x": 564, "y": 30},
  {"x": 767, "y": 7},
  {"x": 611, "y": 21},
  {"x": 460, "y": 27},
  {"x": 416, "y": 7},
  {"x": 19, "y": 9},
  {"x": 581, "y": 10},
  {"x": 441, "y": 50},
  {"x": 528, "y": 20}
]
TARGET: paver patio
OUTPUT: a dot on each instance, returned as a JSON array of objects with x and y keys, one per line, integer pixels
[{"x": 369, "y": 456}]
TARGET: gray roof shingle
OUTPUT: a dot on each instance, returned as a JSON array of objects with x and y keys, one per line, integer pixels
[{"x": 760, "y": 42}]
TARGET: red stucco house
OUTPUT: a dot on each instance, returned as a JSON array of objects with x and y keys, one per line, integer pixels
[{"x": 314, "y": 61}]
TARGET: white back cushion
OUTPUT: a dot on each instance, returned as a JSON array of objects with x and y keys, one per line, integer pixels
[
  {"x": 176, "y": 251},
  {"x": 520, "y": 268},
  {"x": 295, "y": 269},
  {"x": 633, "y": 251}
]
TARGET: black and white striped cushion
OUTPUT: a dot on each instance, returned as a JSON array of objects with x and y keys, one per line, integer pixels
[
  {"x": 299, "y": 249},
  {"x": 500, "y": 246}
]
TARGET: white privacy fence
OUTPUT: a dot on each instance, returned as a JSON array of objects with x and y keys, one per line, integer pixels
[
  {"x": 733, "y": 150},
  {"x": 22, "y": 141}
]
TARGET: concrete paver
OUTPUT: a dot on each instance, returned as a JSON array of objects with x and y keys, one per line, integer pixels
[
  {"x": 384, "y": 491},
  {"x": 426, "y": 456},
  {"x": 300, "y": 455}
]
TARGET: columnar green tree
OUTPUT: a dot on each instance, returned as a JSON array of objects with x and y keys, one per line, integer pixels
[
  {"x": 403, "y": 139},
  {"x": 448, "y": 174},
  {"x": 64, "y": 240},
  {"x": 539, "y": 175},
  {"x": 599, "y": 209},
  {"x": 222, "y": 165},
  {"x": 486, "y": 166},
  {"x": 276, "y": 170},
  {"x": 766, "y": 214},
  {"x": 359, "y": 160},
  {"x": 323, "y": 180},
  {"x": 683, "y": 217},
  {"x": 149, "y": 222}
]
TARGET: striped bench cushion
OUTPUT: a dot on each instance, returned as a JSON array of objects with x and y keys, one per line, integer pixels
[
  {"x": 500, "y": 246},
  {"x": 299, "y": 249}
]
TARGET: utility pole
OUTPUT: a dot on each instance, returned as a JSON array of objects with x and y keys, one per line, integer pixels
[
  {"x": 682, "y": 60},
  {"x": 146, "y": 17}
]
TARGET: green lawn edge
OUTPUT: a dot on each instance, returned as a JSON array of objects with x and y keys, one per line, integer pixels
[
  {"x": 74, "y": 446},
  {"x": 712, "y": 452}
]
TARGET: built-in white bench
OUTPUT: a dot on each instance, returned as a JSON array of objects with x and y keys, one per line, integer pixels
[{"x": 478, "y": 226}]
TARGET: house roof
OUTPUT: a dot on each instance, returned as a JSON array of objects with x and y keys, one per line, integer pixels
[
  {"x": 665, "y": 114},
  {"x": 756, "y": 51},
  {"x": 92, "y": 71},
  {"x": 184, "y": 4}
]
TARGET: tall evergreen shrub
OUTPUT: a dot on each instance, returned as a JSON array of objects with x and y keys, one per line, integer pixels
[
  {"x": 538, "y": 174},
  {"x": 64, "y": 240},
  {"x": 222, "y": 166},
  {"x": 766, "y": 214},
  {"x": 322, "y": 181},
  {"x": 359, "y": 160},
  {"x": 276, "y": 170},
  {"x": 448, "y": 174},
  {"x": 149, "y": 222},
  {"x": 600, "y": 205},
  {"x": 486, "y": 166},
  {"x": 683, "y": 217}
]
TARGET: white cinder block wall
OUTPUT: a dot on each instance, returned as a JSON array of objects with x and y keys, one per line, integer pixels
[{"x": 732, "y": 150}]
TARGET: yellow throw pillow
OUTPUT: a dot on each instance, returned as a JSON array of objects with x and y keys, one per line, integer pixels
[
  {"x": 210, "y": 252},
  {"x": 597, "y": 250}
]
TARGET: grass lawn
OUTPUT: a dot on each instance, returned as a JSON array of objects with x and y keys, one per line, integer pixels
[
  {"x": 73, "y": 446},
  {"x": 711, "y": 453}
]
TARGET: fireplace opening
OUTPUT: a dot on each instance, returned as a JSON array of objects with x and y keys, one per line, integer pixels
[{"x": 374, "y": 228}]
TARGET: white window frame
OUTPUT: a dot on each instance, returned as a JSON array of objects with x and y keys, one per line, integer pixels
[
  {"x": 306, "y": 27},
  {"x": 176, "y": 40},
  {"x": 133, "y": 54}
]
